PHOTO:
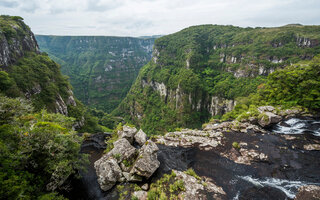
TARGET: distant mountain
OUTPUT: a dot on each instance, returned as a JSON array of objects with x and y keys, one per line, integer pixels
[{"x": 101, "y": 68}]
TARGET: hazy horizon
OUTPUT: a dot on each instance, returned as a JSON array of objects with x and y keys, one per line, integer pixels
[{"x": 137, "y": 18}]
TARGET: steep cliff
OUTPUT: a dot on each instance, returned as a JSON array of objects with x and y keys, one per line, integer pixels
[
  {"x": 200, "y": 71},
  {"x": 101, "y": 69},
  {"x": 27, "y": 73}
]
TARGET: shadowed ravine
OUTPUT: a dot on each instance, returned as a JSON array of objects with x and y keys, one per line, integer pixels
[{"x": 289, "y": 166}]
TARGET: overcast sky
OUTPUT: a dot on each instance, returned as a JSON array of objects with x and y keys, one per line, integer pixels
[{"x": 155, "y": 17}]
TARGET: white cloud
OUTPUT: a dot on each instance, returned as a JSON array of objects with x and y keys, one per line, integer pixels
[{"x": 152, "y": 17}]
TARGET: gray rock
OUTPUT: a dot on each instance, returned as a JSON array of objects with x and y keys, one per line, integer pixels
[
  {"x": 11, "y": 51},
  {"x": 312, "y": 147},
  {"x": 205, "y": 140},
  {"x": 141, "y": 195},
  {"x": 123, "y": 150},
  {"x": 194, "y": 187},
  {"x": 140, "y": 137},
  {"x": 131, "y": 177},
  {"x": 262, "y": 109},
  {"x": 145, "y": 186},
  {"x": 127, "y": 133},
  {"x": 108, "y": 172},
  {"x": 268, "y": 118},
  {"x": 310, "y": 192},
  {"x": 147, "y": 162},
  {"x": 61, "y": 106}
]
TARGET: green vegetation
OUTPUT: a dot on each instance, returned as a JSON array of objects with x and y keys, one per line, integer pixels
[
  {"x": 191, "y": 172},
  {"x": 39, "y": 151},
  {"x": 38, "y": 70},
  {"x": 101, "y": 69},
  {"x": 210, "y": 60},
  {"x": 36, "y": 77},
  {"x": 235, "y": 145},
  {"x": 166, "y": 188},
  {"x": 296, "y": 86},
  {"x": 7, "y": 24}
]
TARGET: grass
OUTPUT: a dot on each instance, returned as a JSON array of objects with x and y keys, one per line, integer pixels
[
  {"x": 191, "y": 172},
  {"x": 168, "y": 187}
]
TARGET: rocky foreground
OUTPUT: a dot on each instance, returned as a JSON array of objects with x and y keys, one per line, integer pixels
[
  {"x": 231, "y": 160},
  {"x": 125, "y": 162}
]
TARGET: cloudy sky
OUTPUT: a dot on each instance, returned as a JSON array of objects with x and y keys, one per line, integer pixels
[{"x": 155, "y": 17}]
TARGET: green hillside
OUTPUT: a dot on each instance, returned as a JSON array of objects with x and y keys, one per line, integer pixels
[
  {"x": 101, "y": 69},
  {"x": 39, "y": 149},
  {"x": 200, "y": 71}
]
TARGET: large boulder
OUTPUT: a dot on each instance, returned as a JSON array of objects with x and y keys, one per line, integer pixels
[
  {"x": 310, "y": 192},
  {"x": 268, "y": 118},
  {"x": 147, "y": 162},
  {"x": 123, "y": 150},
  {"x": 127, "y": 132},
  {"x": 108, "y": 172},
  {"x": 140, "y": 137}
]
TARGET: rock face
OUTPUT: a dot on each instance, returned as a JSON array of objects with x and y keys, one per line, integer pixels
[
  {"x": 125, "y": 162},
  {"x": 310, "y": 192},
  {"x": 13, "y": 48},
  {"x": 17, "y": 42}
]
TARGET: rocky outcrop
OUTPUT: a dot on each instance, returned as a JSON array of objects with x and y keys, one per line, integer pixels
[
  {"x": 307, "y": 42},
  {"x": 61, "y": 106},
  {"x": 127, "y": 133},
  {"x": 267, "y": 117},
  {"x": 213, "y": 104},
  {"x": 187, "y": 138},
  {"x": 13, "y": 48},
  {"x": 244, "y": 127},
  {"x": 310, "y": 192},
  {"x": 199, "y": 189},
  {"x": 126, "y": 162},
  {"x": 35, "y": 90},
  {"x": 219, "y": 106}
]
